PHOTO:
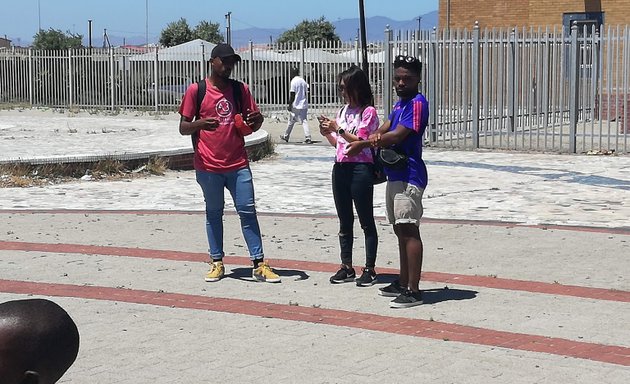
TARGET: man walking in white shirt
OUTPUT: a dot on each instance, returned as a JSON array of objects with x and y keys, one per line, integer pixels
[{"x": 298, "y": 106}]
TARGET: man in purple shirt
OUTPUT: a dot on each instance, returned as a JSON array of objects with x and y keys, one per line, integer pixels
[{"x": 403, "y": 132}]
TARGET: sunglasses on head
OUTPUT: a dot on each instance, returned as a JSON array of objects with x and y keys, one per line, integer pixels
[{"x": 405, "y": 59}]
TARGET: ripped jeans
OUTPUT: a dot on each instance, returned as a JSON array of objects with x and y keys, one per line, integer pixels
[{"x": 352, "y": 185}]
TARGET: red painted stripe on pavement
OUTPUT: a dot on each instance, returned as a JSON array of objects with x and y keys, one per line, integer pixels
[
  {"x": 428, "y": 220},
  {"x": 441, "y": 277},
  {"x": 397, "y": 325}
]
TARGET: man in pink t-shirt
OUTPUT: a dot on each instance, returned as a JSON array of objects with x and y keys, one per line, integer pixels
[{"x": 220, "y": 159}]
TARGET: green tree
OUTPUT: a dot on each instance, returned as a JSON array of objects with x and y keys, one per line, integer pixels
[
  {"x": 208, "y": 32},
  {"x": 175, "y": 33},
  {"x": 56, "y": 39},
  {"x": 310, "y": 30}
]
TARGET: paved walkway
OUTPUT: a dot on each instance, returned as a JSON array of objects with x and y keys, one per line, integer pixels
[
  {"x": 526, "y": 260},
  {"x": 527, "y": 188}
]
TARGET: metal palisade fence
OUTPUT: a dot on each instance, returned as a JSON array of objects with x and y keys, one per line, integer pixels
[
  {"x": 536, "y": 89},
  {"x": 528, "y": 89}
]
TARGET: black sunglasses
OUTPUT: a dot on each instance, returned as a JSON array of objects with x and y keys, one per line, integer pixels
[{"x": 405, "y": 59}]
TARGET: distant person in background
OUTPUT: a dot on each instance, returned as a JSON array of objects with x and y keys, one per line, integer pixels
[
  {"x": 353, "y": 175},
  {"x": 298, "y": 106},
  {"x": 38, "y": 342}
]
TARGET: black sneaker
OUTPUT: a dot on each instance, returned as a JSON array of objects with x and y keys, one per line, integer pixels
[
  {"x": 308, "y": 141},
  {"x": 407, "y": 299},
  {"x": 343, "y": 275},
  {"x": 367, "y": 279},
  {"x": 285, "y": 138},
  {"x": 392, "y": 290}
]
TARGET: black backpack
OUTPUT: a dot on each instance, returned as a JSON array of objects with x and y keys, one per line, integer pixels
[{"x": 237, "y": 91}]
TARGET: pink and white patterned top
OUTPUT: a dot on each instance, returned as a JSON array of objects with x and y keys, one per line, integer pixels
[{"x": 359, "y": 122}]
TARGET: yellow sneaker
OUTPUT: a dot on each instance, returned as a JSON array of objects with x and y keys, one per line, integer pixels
[
  {"x": 216, "y": 272},
  {"x": 264, "y": 273}
]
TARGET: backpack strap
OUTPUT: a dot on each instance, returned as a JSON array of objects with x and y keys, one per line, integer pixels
[
  {"x": 201, "y": 93},
  {"x": 237, "y": 92}
]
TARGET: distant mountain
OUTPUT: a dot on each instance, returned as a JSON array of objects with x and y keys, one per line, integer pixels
[{"x": 346, "y": 29}]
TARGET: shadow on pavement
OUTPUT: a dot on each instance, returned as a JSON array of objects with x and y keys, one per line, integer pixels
[
  {"x": 246, "y": 274},
  {"x": 434, "y": 295}
]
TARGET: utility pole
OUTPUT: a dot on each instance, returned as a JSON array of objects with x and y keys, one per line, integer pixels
[
  {"x": 419, "y": 18},
  {"x": 90, "y": 35},
  {"x": 146, "y": 26},
  {"x": 39, "y": 15},
  {"x": 228, "y": 29},
  {"x": 363, "y": 38}
]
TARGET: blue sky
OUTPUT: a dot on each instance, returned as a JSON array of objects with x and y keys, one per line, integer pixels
[{"x": 21, "y": 19}]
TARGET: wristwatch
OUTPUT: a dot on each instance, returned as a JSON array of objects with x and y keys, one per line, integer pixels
[{"x": 341, "y": 131}]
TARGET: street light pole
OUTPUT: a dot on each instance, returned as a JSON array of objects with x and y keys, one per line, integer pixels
[
  {"x": 146, "y": 11},
  {"x": 228, "y": 29},
  {"x": 90, "y": 35},
  {"x": 363, "y": 38}
]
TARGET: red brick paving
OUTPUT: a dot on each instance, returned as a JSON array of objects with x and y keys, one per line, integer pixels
[
  {"x": 492, "y": 223},
  {"x": 441, "y": 277},
  {"x": 402, "y": 326}
]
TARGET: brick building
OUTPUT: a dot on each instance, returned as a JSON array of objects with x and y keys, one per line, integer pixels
[{"x": 535, "y": 13}]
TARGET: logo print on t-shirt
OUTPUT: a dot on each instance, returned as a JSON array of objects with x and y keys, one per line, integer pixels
[{"x": 224, "y": 108}]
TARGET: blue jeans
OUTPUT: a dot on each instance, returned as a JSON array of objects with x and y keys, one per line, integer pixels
[
  {"x": 352, "y": 184},
  {"x": 241, "y": 187}
]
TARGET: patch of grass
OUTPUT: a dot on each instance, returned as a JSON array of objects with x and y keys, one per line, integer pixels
[
  {"x": 108, "y": 166},
  {"x": 24, "y": 174},
  {"x": 29, "y": 175},
  {"x": 157, "y": 165},
  {"x": 260, "y": 151}
]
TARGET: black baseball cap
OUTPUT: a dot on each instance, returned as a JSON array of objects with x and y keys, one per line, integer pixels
[{"x": 224, "y": 50}]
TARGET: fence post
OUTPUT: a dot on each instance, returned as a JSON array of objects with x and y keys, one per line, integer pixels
[
  {"x": 155, "y": 79},
  {"x": 302, "y": 53},
  {"x": 112, "y": 88},
  {"x": 387, "y": 78},
  {"x": 250, "y": 66},
  {"x": 202, "y": 62},
  {"x": 475, "y": 85},
  {"x": 573, "y": 88},
  {"x": 70, "y": 83},
  {"x": 31, "y": 79},
  {"x": 511, "y": 82},
  {"x": 432, "y": 86}
]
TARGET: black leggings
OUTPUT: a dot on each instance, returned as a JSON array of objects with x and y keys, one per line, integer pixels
[{"x": 352, "y": 183}]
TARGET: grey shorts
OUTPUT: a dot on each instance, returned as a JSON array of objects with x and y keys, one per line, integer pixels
[{"x": 403, "y": 202}]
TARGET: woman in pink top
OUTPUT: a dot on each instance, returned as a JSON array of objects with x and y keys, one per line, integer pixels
[{"x": 352, "y": 176}]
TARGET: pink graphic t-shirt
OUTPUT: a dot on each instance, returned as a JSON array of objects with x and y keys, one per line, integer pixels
[
  {"x": 359, "y": 122},
  {"x": 221, "y": 150}
]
